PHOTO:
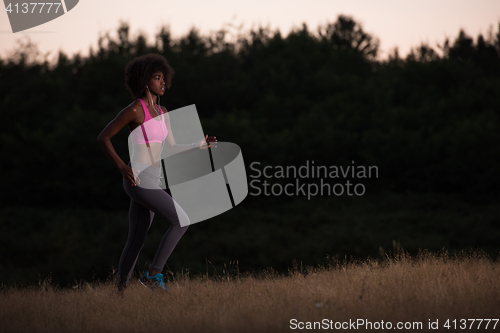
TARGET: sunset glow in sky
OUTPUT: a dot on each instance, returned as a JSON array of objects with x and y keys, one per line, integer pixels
[{"x": 400, "y": 23}]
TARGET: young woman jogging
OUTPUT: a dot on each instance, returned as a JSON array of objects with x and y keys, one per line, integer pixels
[{"x": 146, "y": 78}]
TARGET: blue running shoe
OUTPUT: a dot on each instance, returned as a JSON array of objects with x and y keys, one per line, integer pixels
[{"x": 150, "y": 282}]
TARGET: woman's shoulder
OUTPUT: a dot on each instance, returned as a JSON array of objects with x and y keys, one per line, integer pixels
[
  {"x": 134, "y": 112},
  {"x": 134, "y": 107},
  {"x": 163, "y": 109}
]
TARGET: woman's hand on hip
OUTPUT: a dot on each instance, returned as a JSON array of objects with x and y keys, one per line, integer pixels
[{"x": 131, "y": 175}]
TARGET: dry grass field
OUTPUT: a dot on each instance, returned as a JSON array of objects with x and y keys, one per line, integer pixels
[{"x": 400, "y": 289}]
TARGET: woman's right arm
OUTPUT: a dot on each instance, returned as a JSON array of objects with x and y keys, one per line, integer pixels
[{"x": 126, "y": 116}]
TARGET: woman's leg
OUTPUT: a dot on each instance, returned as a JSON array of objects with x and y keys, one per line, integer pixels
[
  {"x": 160, "y": 202},
  {"x": 172, "y": 236},
  {"x": 140, "y": 219}
]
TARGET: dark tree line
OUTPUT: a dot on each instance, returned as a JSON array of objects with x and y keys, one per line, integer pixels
[{"x": 429, "y": 121}]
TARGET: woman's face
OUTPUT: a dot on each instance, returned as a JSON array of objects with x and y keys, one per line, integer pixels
[{"x": 157, "y": 84}]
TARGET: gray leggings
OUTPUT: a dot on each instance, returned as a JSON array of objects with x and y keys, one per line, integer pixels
[{"x": 146, "y": 201}]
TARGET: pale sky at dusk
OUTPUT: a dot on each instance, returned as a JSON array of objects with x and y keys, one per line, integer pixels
[{"x": 395, "y": 22}]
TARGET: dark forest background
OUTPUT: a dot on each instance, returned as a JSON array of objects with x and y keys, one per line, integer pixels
[{"x": 430, "y": 122}]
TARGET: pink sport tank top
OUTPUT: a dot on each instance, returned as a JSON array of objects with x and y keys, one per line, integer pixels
[{"x": 151, "y": 130}]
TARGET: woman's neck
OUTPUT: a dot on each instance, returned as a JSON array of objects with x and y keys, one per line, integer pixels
[{"x": 147, "y": 97}]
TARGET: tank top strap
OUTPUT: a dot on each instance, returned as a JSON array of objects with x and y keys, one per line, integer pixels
[
  {"x": 147, "y": 116},
  {"x": 162, "y": 113}
]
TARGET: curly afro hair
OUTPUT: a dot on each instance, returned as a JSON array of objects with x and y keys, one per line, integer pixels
[{"x": 140, "y": 70}]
